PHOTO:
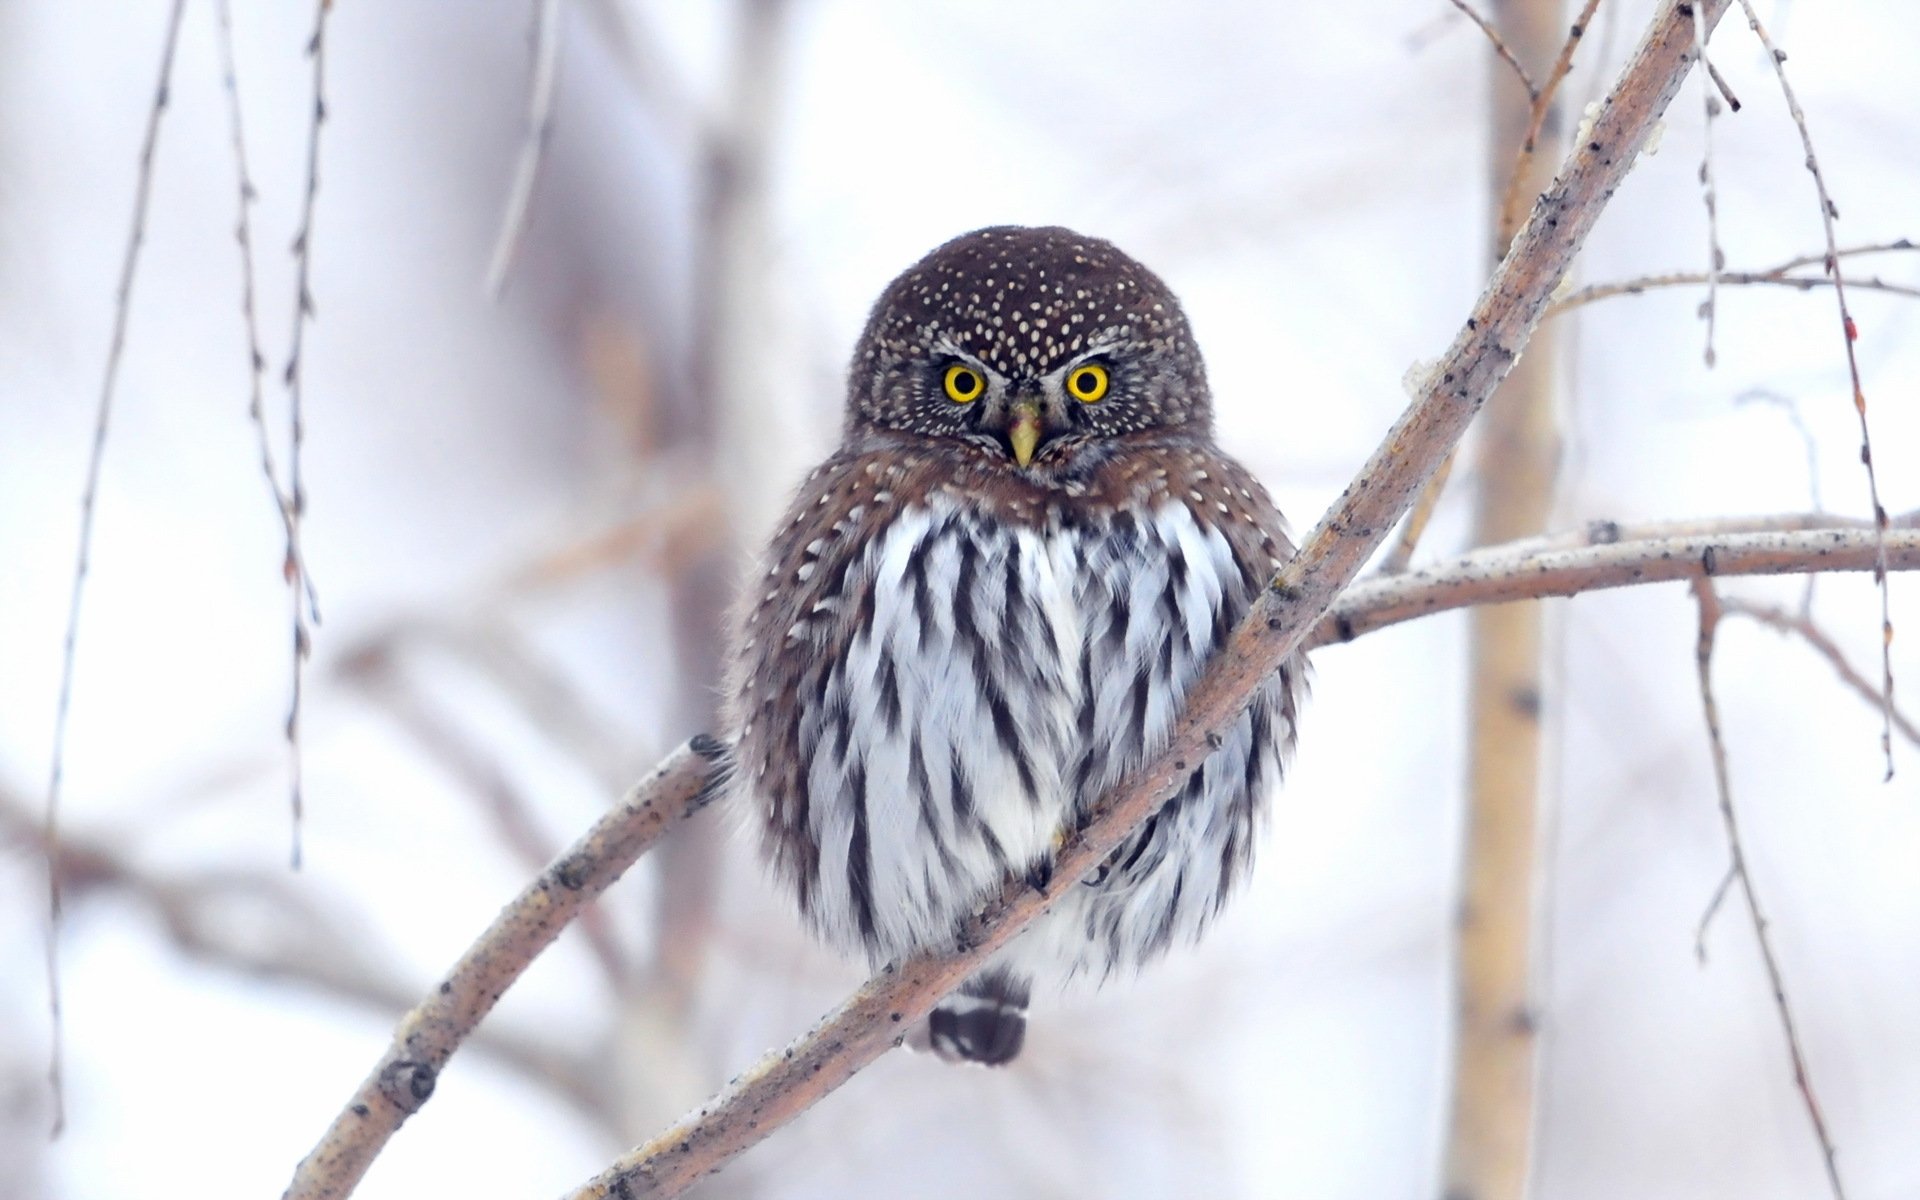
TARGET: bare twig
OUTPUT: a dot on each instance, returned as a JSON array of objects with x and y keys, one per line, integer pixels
[
  {"x": 1810, "y": 448},
  {"x": 1802, "y": 625},
  {"x": 1849, "y": 333},
  {"x": 293, "y": 563},
  {"x": 526, "y": 171},
  {"x": 1500, "y": 47},
  {"x": 1715, "y": 258},
  {"x": 308, "y": 948},
  {"x": 89, "y": 496},
  {"x": 294, "y": 376},
  {"x": 1738, "y": 869},
  {"x": 1523, "y": 179},
  {"x": 1541, "y": 105},
  {"x": 404, "y": 1078},
  {"x": 1781, "y": 275},
  {"x": 1543, "y": 100}
]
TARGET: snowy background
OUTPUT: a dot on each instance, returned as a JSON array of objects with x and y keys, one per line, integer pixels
[{"x": 525, "y": 514}]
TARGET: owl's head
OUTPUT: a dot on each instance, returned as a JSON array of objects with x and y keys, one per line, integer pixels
[{"x": 1029, "y": 344}]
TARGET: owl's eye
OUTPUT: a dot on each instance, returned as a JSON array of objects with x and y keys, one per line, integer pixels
[
  {"x": 1087, "y": 383},
  {"x": 964, "y": 384}
]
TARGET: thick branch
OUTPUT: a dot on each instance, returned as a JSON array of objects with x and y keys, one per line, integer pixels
[{"x": 875, "y": 1018}]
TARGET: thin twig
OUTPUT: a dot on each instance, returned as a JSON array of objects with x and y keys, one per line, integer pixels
[
  {"x": 293, "y": 562},
  {"x": 1849, "y": 334},
  {"x": 1810, "y": 448},
  {"x": 1499, "y": 47},
  {"x": 526, "y": 171},
  {"x": 1803, "y": 626},
  {"x": 1514, "y": 197},
  {"x": 1780, "y": 274},
  {"x": 509, "y": 811},
  {"x": 294, "y": 377},
  {"x": 1716, "y": 259},
  {"x": 1710, "y": 612},
  {"x": 90, "y": 493},
  {"x": 1541, "y": 101},
  {"x": 249, "y": 310},
  {"x": 214, "y": 917}
]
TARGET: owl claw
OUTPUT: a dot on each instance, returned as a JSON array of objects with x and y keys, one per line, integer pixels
[{"x": 1040, "y": 874}]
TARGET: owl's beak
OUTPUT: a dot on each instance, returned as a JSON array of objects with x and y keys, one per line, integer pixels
[{"x": 1024, "y": 433}]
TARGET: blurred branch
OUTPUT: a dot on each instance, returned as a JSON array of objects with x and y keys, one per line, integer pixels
[
  {"x": 663, "y": 90},
  {"x": 89, "y": 496},
  {"x": 1802, "y": 626},
  {"x": 526, "y": 170},
  {"x": 404, "y": 1078},
  {"x": 1738, "y": 872},
  {"x": 304, "y": 946},
  {"x": 1849, "y": 334},
  {"x": 509, "y": 811}
]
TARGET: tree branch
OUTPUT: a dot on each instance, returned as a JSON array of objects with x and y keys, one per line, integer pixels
[
  {"x": 1738, "y": 872},
  {"x": 1544, "y": 567}
]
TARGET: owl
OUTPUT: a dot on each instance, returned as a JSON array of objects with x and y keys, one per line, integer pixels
[{"x": 984, "y": 610}]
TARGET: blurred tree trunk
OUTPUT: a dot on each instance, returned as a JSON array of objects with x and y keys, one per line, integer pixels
[
  {"x": 712, "y": 424},
  {"x": 1492, "y": 1106}
]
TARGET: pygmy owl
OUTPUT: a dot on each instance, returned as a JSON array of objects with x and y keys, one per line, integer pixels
[{"x": 986, "y": 608}]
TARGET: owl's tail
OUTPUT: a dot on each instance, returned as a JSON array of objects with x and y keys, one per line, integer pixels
[{"x": 984, "y": 1022}]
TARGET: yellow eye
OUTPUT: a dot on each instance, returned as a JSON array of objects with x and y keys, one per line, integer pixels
[
  {"x": 1088, "y": 383},
  {"x": 964, "y": 384}
]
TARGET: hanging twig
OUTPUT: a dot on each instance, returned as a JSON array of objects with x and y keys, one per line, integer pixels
[
  {"x": 89, "y": 496},
  {"x": 1849, "y": 334},
  {"x": 1710, "y": 103},
  {"x": 294, "y": 376},
  {"x": 1802, "y": 625},
  {"x": 526, "y": 171},
  {"x": 1739, "y": 872}
]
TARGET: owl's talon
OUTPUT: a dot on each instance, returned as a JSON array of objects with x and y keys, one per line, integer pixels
[{"x": 1040, "y": 874}]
